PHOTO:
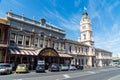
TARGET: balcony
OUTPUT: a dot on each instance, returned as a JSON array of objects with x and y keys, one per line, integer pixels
[
  {"x": 3, "y": 43},
  {"x": 103, "y": 57}
]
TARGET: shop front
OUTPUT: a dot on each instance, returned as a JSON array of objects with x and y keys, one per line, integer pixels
[
  {"x": 31, "y": 57},
  {"x": 50, "y": 55}
]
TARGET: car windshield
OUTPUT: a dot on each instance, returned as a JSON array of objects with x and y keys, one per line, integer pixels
[
  {"x": 21, "y": 65},
  {"x": 4, "y": 65},
  {"x": 64, "y": 65},
  {"x": 40, "y": 66},
  {"x": 55, "y": 65}
]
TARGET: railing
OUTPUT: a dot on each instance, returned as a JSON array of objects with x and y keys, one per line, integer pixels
[
  {"x": 104, "y": 57},
  {"x": 3, "y": 41},
  {"x": 48, "y": 25}
]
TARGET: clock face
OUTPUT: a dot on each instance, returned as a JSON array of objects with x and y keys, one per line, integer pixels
[{"x": 83, "y": 27}]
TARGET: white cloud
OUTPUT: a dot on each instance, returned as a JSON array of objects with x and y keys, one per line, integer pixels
[
  {"x": 109, "y": 36},
  {"x": 71, "y": 23},
  {"x": 115, "y": 4},
  {"x": 109, "y": 40}
]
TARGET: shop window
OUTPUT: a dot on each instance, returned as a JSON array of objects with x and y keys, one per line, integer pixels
[{"x": 82, "y": 62}]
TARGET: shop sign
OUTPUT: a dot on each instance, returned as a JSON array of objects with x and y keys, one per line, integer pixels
[{"x": 41, "y": 62}]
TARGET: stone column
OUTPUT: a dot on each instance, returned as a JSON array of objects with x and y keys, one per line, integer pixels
[{"x": 89, "y": 61}]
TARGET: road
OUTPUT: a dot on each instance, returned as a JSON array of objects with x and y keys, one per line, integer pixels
[{"x": 88, "y": 74}]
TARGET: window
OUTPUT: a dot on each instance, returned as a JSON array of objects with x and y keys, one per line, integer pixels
[
  {"x": 12, "y": 39},
  {"x": 46, "y": 43},
  {"x": 76, "y": 49},
  {"x": 20, "y": 38},
  {"x": 86, "y": 50},
  {"x": 79, "y": 50},
  {"x": 27, "y": 40},
  {"x": 12, "y": 36},
  {"x": 82, "y": 50},
  {"x": 41, "y": 43},
  {"x": 36, "y": 42},
  {"x": 53, "y": 44},
  {"x": 82, "y": 62},
  {"x": 56, "y": 46},
  {"x": 84, "y": 37},
  {"x": 70, "y": 48}
]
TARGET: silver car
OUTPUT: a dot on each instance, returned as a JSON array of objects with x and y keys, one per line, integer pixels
[
  {"x": 5, "y": 68},
  {"x": 64, "y": 67},
  {"x": 72, "y": 67}
]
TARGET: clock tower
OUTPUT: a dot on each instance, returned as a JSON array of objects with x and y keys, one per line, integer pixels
[{"x": 86, "y": 30}]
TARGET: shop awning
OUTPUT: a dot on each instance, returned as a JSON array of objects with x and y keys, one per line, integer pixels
[
  {"x": 22, "y": 52},
  {"x": 33, "y": 52}
]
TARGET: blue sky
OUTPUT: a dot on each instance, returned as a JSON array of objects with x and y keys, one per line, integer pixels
[{"x": 104, "y": 15}]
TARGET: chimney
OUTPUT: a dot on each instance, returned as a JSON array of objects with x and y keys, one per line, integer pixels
[{"x": 43, "y": 21}]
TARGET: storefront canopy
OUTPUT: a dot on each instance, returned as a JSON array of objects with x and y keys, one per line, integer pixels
[{"x": 38, "y": 52}]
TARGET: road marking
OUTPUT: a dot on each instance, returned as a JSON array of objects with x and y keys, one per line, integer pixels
[
  {"x": 66, "y": 76},
  {"x": 115, "y": 78},
  {"x": 91, "y": 72},
  {"x": 17, "y": 79}
]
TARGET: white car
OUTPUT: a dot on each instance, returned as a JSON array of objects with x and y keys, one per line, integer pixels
[
  {"x": 72, "y": 67},
  {"x": 118, "y": 65},
  {"x": 64, "y": 67},
  {"x": 5, "y": 68}
]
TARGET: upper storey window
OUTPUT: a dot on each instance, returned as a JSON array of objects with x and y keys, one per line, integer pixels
[
  {"x": 84, "y": 36},
  {"x": 27, "y": 40},
  {"x": 20, "y": 39},
  {"x": 12, "y": 39},
  {"x": 36, "y": 42}
]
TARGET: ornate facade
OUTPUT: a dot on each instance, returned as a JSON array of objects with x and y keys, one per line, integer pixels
[
  {"x": 103, "y": 57},
  {"x": 31, "y": 40}
]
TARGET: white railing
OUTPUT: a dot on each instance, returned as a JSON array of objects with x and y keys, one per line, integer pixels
[{"x": 30, "y": 21}]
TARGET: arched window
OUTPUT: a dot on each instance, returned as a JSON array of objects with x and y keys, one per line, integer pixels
[{"x": 84, "y": 36}]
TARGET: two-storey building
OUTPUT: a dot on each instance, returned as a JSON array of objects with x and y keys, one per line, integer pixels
[
  {"x": 31, "y": 40},
  {"x": 4, "y": 36},
  {"x": 103, "y": 57}
]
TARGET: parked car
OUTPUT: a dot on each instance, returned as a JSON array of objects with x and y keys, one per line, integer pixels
[
  {"x": 40, "y": 68},
  {"x": 64, "y": 67},
  {"x": 22, "y": 68},
  {"x": 5, "y": 68},
  {"x": 118, "y": 65},
  {"x": 79, "y": 67},
  {"x": 54, "y": 67},
  {"x": 72, "y": 67}
]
